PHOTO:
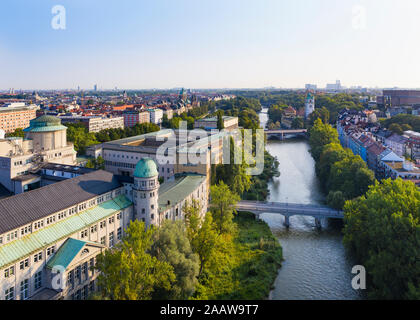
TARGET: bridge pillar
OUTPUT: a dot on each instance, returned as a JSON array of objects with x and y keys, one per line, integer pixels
[
  {"x": 318, "y": 223},
  {"x": 287, "y": 221}
]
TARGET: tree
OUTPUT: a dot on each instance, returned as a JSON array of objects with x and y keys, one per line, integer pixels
[
  {"x": 171, "y": 245},
  {"x": 201, "y": 233},
  {"x": 98, "y": 163},
  {"x": 298, "y": 123},
  {"x": 382, "y": 230},
  {"x": 17, "y": 133},
  {"x": 396, "y": 128},
  {"x": 220, "y": 123},
  {"x": 351, "y": 176},
  {"x": 223, "y": 202},
  {"x": 128, "y": 271},
  {"x": 335, "y": 199},
  {"x": 319, "y": 113},
  {"x": 406, "y": 127},
  {"x": 320, "y": 135},
  {"x": 331, "y": 153}
]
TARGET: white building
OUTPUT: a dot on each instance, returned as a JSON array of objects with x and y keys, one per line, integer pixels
[{"x": 156, "y": 115}]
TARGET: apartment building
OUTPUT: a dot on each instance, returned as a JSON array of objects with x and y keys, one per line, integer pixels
[{"x": 16, "y": 116}]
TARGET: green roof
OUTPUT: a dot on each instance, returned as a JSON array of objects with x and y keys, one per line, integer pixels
[
  {"x": 66, "y": 253},
  {"x": 16, "y": 250},
  {"x": 146, "y": 168},
  {"x": 177, "y": 190},
  {"x": 45, "y": 124}
]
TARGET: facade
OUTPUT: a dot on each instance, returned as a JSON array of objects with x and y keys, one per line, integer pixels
[
  {"x": 397, "y": 144},
  {"x": 131, "y": 118},
  {"x": 413, "y": 144},
  {"x": 95, "y": 124},
  {"x": 309, "y": 104},
  {"x": 16, "y": 116},
  {"x": 156, "y": 116},
  {"x": 229, "y": 123},
  {"x": 94, "y": 211},
  {"x": 45, "y": 141},
  {"x": 397, "y": 98}
]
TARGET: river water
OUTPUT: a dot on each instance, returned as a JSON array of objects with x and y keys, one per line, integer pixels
[{"x": 316, "y": 266}]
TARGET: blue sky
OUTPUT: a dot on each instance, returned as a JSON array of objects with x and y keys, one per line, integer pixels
[{"x": 209, "y": 43}]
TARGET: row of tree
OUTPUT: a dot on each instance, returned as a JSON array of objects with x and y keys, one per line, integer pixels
[
  {"x": 81, "y": 138},
  {"x": 342, "y": 174}
]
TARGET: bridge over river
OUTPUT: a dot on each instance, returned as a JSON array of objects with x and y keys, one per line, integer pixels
[
  {"x": 290, "y": 209},
  {"x": 281, "y": 133}
]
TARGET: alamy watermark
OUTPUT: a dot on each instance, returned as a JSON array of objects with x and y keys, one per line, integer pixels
[
  {"x": 191, "y": 147},
  {"x": 58, "y": 21},
  {"x": 359, "y": 280}
]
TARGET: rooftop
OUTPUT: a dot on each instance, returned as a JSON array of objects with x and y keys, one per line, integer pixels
[
  {"x": 173, "y": 192},
  {"x": 22, "y": 209}
]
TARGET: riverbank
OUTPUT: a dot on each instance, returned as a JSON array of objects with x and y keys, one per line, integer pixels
[{"x": 249, "y": 271}]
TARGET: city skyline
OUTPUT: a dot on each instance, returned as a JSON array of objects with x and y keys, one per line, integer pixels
[{"x": 239, "y": 44}]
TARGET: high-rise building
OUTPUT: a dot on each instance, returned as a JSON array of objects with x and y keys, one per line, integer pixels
[
  {"x": 309, "y": 104},
  {"x": 95, "y": 87},
  {"x": 16, "y": 115}
]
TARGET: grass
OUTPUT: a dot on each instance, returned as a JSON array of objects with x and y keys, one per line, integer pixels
[{"x": 247, "y": 267}]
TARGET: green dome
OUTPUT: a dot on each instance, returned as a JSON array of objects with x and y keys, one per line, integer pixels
[
  {"x": 146, "y": 168},
  {"x": 45, "y": 123}
]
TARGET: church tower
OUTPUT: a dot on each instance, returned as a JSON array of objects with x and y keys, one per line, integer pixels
[
  {"x": 145, "y": 192},
  {"x": 309, "y": 104}
]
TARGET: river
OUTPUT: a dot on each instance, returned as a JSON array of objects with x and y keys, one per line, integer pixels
[{"x": 316, "y": 266}]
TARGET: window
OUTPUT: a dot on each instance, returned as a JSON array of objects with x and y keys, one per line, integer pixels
[
  {"x": 38, "y": 280},
  {"x": 93, "y": 229},
  {"x": 78, "y": 273},
  {"x": 70, "y": 278},
  {"x": 118, "y": 216},
  {"x": 50, "y": 251},
  {"x": 85, "y": 292},
  {"x": 24, "y": 289},
  {"x": 38, "y": 257},
  {"x": 152, "y": 216},
  {"x": 119, "y": 233},
  {"x": 143, "y": 210},
  {"x": 24, "y": 264},
  {"x": 92, "y": 286},
  {"x": 10, "y": 293},
  {"x": 111, "y": 239},
  {"x": 103, "y": 240},
  {"x": 92, "y": 264},
  {"x": 84, "y": 234},
  {"x": 9, "y": 272},
  {"x": 111, "y": 220},
  {"x": 102, "y": 224},
  {"x": 85, "y": 270},
  {"x": 77, "y": 295}
]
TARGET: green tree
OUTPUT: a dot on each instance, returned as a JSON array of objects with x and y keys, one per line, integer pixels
[
  {"x": 223, "y": 202},
  {"x": 17, "y": 133},
  {"x": 331, "y": 153},
  {"x": 128, "y": 271},
  {"x": 406, "y": 127},
  {"x": 382, "y": 228},
  {"x": 335, "y": 199},
  {"x": 319, "y": 113},
  {"x": 320, "y": 135},
  {"x": 298, "y": 123},
  {"x": 396, "y": 128},
  {"x": 220, "y": 123},
  {"x": 351, "y": 176},
  {"x": 172, "y": 245}
]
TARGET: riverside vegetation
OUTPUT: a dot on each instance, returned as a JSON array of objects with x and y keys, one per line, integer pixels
[{"x": 381, "y": 219}]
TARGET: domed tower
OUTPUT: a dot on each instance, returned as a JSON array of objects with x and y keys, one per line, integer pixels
[
  {"x": 145, "y": 192},
  {"x": 47, "y": 133}
]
